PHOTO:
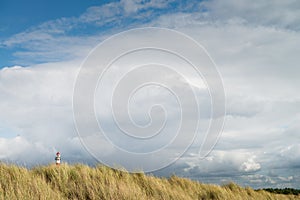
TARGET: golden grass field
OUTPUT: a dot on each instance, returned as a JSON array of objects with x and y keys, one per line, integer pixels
[{"x": 84, "y": 182}]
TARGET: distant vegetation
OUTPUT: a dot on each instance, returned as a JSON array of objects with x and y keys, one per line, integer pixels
[
  {"x": 83, "y": 182},
  {"x": 283, "y": 191}
]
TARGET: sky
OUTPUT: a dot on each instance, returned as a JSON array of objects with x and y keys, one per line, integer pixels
[{"x": 255, "y": 47}]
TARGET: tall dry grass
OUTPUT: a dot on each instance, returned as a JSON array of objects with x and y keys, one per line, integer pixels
[{"x": 83, "y": 182}]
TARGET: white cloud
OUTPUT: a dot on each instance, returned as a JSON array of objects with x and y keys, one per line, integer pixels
[
  {"x": 7, "y": 144},
  {"x": 250, "y": 165},
  {"x": 258, "y": 60},
  {"x": 222, "y": 163},
  {"x": 282, "y": 14},
  {"x": 36, "y": 105}
]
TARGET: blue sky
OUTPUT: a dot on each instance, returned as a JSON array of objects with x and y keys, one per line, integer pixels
[
  {"x": 17, "y": 16},
  {"x": 255, "y": 46}
]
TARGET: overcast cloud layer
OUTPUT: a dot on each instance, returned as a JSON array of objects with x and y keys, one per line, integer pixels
[{"x": 255, "y": 46}]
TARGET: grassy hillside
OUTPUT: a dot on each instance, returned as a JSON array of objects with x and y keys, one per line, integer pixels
[{"x": 83, "y": 182}]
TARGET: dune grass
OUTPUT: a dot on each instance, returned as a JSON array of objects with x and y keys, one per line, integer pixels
[{"x": 84, "y": 182}]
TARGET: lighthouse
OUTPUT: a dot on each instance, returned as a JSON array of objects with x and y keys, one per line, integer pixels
[{"x": 57, "y": 158}]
